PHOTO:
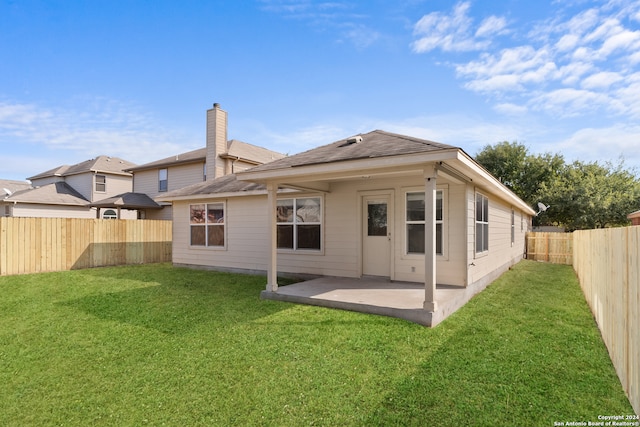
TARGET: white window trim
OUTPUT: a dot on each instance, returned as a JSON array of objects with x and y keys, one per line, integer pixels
[
  {"x": 483, "y": 252},
  {"x": 444, "y": 189},
  {"x": 160, "y": 190},
  {"x": 321, "y": 223},
  {"x": 513, "y": 227},
  {"x": 225, "y": 223},
  {"x": 95, "y": 183}
]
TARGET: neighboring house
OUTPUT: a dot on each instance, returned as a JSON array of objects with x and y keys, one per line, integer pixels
[
  {"x": 634, "y": 217},
  {"x": 69, "y": 191},
  {"x": 376, "y": 204},
  {"x": 7, "y": 188},
  {"x": 220, "y": 157}
]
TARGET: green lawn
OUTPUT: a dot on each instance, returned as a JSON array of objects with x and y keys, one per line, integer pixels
[{"x": 157, "y": 345}]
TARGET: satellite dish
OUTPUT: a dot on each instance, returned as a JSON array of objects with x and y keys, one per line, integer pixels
[
  {"x": 542, "y": 208},
  {"x": 6, "y": 190}
]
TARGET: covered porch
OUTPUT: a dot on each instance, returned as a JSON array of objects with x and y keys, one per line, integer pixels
[{"x": 374, "y": 295}]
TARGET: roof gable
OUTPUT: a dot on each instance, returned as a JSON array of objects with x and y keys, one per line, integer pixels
[
  {"x": 57, "y": 193},
  {"x": 252, "y": 153},
  {"x": 193, "y": 156},
  {"x": 100, "y": 164}
]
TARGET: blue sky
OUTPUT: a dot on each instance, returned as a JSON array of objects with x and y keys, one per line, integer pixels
[{"x": 134, "y": 79}]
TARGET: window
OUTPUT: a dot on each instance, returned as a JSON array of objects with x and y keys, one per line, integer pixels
[
  {"x": 207, "y": 224},
  {"x": 299, "y": 223},
  {"x": 109, "y": 214},
  {"x": 513, "y": 227},
  {"x": 101, "y": 183},
  {"x": 415, "y": 223},
  {"x": 482, "y": 223},
  {"x": 163, "y": 182}
]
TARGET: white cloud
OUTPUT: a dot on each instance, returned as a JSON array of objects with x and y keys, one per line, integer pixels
[
  {"x": 564, "y": 65},
  {"x": 510, "y": 109},
  {"x": 602, "y": 144},
  {"x": 453, "y": 32},
  {"x": 492, "y": 25},
  {"x": 91, "y": 129},
  {"x": 601, "y": 80},
  {"x": 568, "y": 102}
]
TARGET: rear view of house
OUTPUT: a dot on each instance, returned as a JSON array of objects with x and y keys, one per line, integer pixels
[{"x": 375, "y": 204}]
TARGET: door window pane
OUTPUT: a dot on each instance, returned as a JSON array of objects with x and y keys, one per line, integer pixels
[{"x": 377, "y": 219}]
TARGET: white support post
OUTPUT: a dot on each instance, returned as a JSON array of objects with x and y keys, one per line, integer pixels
[
  {"x": 272, "y": 237},
  {"x": 430, "y": 175}
]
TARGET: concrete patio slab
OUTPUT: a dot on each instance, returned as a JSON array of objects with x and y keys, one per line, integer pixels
[{"x": 375, "y": 296}]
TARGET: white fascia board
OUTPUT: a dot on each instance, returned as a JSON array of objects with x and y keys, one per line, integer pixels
[
  {"x": 347, "y": 168},
  {"x": 498, "y": 188},
  {"x": 211, "y": 196},
  {"x": 226, "y": 195}
]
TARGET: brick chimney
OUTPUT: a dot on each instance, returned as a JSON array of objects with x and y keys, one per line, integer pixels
[{"x": 216, "y": 141}]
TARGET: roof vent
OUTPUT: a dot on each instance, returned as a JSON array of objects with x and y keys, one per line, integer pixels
[{"x": 352, "y": 140}]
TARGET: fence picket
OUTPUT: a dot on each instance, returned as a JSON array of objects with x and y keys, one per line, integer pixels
[
  {"x": 31, "y": 245},
  {"x": 607, "y": 262}
]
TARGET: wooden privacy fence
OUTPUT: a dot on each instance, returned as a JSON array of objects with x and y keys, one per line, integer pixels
[
  {"x": 556, "y": 248},
  {"x": 32, "y": 245},
  {"x": 607, "y": 262}
]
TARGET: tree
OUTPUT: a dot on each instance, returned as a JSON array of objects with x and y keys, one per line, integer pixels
[
  {"x": 581, "y": 195},
  {"x": 591, "y": 195}
]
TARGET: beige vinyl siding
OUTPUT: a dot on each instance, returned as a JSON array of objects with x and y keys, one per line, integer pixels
[
  {"x": 247, "y": 247},
  {"x": 179, "y": 176},
  {"x": 182, "y": 175},
  {"x": 163, "y": 214},
  {"x": 52, "y": 211},
  {"x": 44, "y": 181},
  {"x": 116, "y": 184},
  {"x": 340, "y": 230},
  {"x": 501, "y": 253},
  {"x": 146, "y": 182},
  {"x": 246, "y": 238},
  {"x": 83, "y": 184},
  {"x": 450, "y": 267}
]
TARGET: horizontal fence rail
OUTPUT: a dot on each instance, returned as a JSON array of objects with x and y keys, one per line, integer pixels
[
  {"x": 556, "y": 248},
  {"x": 607, "y": 262},
  {"x": 33, "y": 245}
]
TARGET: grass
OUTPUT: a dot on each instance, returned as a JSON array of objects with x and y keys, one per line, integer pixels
[{"x": 158, "y": 345}]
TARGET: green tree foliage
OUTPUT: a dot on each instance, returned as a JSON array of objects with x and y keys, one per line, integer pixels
[{"x": 581, "y": 195}]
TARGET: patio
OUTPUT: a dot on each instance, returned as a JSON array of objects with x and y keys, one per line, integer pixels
[{"x": 403, "y": 300}]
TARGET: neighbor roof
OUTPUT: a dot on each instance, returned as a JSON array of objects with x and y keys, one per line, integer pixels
[
  {"x": 635, "y": 214},
  {"x": 57, "y": 193},
  {"x": 128, "y": 201},
  {"x": 235, "y": 149},
  {"x": 194, "y": 156},
  {"x": 370, "y": 145},
  {"x": 12, "y": 186},
  {"x": 100, "y": 164},
  {"x": 251, "y": 152}
]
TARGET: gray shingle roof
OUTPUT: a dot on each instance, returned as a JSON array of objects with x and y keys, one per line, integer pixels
[
  {"x": 12, "y": 186},
  {"x": 189, "y": 157},
  {"x": 57, "y": 193},
  {"x": 374, "y": 144},
  {"x": 235, "y": 148},
  {"x": 104, "y": 164},
  {"x": 128, "y": 201},
  {"x": 224, "y": 184},
  {"x": 252, "y": 152}
]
